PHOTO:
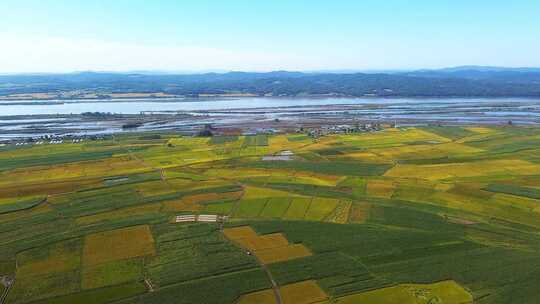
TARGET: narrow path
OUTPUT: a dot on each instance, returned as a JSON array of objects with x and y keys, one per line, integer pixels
[
  {"x": 275, "y": 287},
  {"x": 236, "y": 203},
  {"x": 8, "y": 282},
  {"x": 4, "y": 295}
]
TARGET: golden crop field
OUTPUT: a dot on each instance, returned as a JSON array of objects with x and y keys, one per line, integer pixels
[
  {"x": 269, "y": 248},
  {"x": 259, "y": 297},
  {"x": 302, "y": 293},
  {"x": 267, "y": 241},
  {"x": 242, "y": 232},
  {"x": 117, "y": 245},
  {"x": 282, "y": 253}
]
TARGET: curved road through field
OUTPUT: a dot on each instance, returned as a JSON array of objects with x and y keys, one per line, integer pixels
[{"x": 275, "y": 287}]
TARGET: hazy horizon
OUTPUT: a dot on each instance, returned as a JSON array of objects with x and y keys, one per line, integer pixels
[
  {"x": 327, "y": 71},
  {"x": 58, "y": 36}
]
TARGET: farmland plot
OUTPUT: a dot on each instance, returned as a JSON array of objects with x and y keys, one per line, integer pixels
[{"x": 403, "y": 215}]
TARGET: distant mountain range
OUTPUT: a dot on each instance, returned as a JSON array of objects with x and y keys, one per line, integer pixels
[
  {"x": 464, "y": 81},
  {"x": 477, "y": 72}
]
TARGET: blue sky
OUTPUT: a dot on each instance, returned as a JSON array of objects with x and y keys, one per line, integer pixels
[{"x": 256, "y": 35}]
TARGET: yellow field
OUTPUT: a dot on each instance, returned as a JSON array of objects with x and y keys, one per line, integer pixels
[
  {"x": 448, "y": 292},
  {"x": 257, "y": 192},
  {"x": 321, "y": 207},
  {"x": 480, "y": 130},
  {"x": 443, "y": 186},
  {"x": 118, "y": 244},
  {"x": 426, "y": 151},
  {"x": 270, "y": 248},
  {"x": 380, "y": 188},
  {"x": 77, "y": 170},
  {"x": 368, "y": 157},
  {"x": 236, "y": 233},
  {"x": 305, "y": 292},
  {"x": 317, "y": 179},
  {"x": 260, "y": 297},
  {"x": 390, "y": 138},
  {"x": 512, "y": 201},
  {"x": 456, "y": 201},
  {"x": 194, "y": 202},
  {"x": 298, "y": 208},
  {"x": 266, "y": 241},
  {"x": 460, "y": 170},
  {"x": 46, "y": 187},
  {"x": 280, "y": 254},
  {"x": 281, "y": 142}
]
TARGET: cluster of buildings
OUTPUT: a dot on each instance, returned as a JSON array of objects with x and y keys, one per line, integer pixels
[
  {"x": 49, "y": 139},
  {"x": 342, "y": 129},
  {"x": 256, "y": 131},
  {"x": 206, "y": 218},
  {"x": 281, "y": 156}
]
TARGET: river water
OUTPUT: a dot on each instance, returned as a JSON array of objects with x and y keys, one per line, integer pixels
[
  {"x": 405, "y": 110},
  {"x": 10, "y": 108}
]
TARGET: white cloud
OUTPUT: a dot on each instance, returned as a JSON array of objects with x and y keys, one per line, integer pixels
[{"x": 54, "y": 54}]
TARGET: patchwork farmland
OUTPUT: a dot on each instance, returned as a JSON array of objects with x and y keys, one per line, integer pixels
[{"x": 405, "y": 215}]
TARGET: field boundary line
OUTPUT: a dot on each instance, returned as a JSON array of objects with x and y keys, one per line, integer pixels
[
  {"x": 288, "y": 207},
  {"x": 262, "y": 209},
  {"x": 307, "y": 209},
  {"x": 236, "y": 204},
  {"x": 208, "y": 277}
]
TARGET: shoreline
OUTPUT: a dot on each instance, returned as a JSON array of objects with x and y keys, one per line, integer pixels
[
  {"x": 45, "y": 101},
  {"x": 252, "y": 113}
]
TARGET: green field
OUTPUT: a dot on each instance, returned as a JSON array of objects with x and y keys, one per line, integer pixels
[{"x": 453, "y": 212}]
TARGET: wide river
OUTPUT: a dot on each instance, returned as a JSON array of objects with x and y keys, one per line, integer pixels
[
  {"x": 38, "y": 118},
  {"x": 12, "y": 108}
]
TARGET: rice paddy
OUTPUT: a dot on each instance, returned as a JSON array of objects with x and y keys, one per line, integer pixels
[{"x": 408, "y": 215}]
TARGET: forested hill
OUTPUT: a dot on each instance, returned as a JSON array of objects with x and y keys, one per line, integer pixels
[{"x": 459, "y": 82}]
